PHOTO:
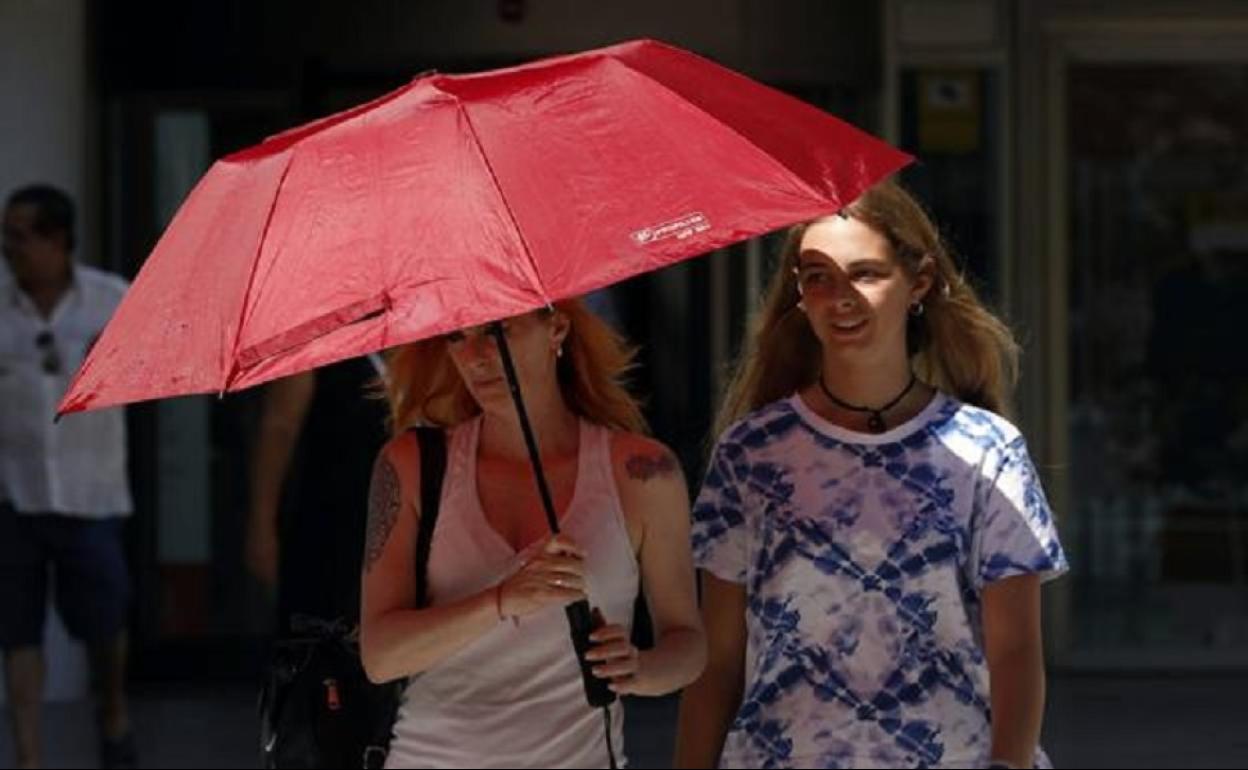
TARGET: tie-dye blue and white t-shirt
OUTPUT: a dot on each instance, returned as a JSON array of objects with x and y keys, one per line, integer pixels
[{"x": 864, "y": 557}]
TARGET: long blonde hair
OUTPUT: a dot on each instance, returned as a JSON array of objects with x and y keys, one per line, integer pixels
[
  {"x": 424, "y": 387},
  {"x": 957, "y": 344}
]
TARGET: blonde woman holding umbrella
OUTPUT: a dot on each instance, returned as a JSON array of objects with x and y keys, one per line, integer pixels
[{"x": 495, "y": 681}]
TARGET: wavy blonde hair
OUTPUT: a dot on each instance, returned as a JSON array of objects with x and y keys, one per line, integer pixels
[
  {"x": 957, "y": 344},
  {"x": 425, "y": 388}
]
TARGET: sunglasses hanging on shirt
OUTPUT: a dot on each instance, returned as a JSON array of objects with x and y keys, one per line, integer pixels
[{"x": 46, "y": 343}]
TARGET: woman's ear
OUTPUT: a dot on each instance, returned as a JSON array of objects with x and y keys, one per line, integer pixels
[
  {"x": 924, "y": 279},
  {"x": 560, "y": 327}
]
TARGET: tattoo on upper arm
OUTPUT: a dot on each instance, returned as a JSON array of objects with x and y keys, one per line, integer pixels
[
  {"x": 383, "y": 509},
  {"x": 644, "y": 467}
]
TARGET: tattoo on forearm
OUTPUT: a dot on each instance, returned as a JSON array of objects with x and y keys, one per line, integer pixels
[
  {"x": 648, "y": 466},
  {"x": 383, "y": 509}
]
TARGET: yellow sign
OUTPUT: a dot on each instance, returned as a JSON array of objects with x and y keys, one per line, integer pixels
[{"x": 949, "y": 111}]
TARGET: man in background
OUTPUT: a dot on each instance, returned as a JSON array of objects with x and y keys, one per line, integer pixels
[{"x": 63, "y": 487}]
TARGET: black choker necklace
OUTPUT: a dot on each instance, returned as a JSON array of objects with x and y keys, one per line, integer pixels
[{"x": 876, "y": 419}]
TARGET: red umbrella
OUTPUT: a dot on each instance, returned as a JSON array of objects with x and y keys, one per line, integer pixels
[{"x": 458, "y": 200}]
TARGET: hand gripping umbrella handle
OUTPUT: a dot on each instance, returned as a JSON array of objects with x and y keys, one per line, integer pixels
[
  {"x": 582, "y": 621},
  {"x": 580, "y": 617}
]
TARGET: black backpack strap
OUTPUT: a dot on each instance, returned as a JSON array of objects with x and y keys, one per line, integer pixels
[{"x": 432, "y": 443}]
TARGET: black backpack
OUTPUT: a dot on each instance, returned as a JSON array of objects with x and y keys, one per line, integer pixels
[{"x": 317, "y": 707}]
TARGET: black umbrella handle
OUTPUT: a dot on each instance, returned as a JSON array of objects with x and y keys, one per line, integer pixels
[{"x": 581, "y": 621}]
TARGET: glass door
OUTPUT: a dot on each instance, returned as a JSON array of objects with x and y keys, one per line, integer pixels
[{"x": 1157, "y": 280}]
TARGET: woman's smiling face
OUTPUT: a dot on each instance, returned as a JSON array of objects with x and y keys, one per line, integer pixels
[{"x": 855, "y": 292}]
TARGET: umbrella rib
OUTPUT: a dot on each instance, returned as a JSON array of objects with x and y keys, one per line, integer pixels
[
  {"x": 251, "y": 278},
  {"x": 528, "y": 253}
]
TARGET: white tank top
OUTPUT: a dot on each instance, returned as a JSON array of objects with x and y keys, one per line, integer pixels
[{"x": 513, "y": 697}]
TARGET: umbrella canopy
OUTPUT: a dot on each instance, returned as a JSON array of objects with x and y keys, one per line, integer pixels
[{"x": 458, "y": 200}]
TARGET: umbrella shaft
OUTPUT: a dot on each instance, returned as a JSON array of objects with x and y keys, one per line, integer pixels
[
  {"x": 580, "y": 616},
  {"x": 530, "y": 440}
]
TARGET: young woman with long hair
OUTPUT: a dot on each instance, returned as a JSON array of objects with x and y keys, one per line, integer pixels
[{"x": 871, "y": 532}]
